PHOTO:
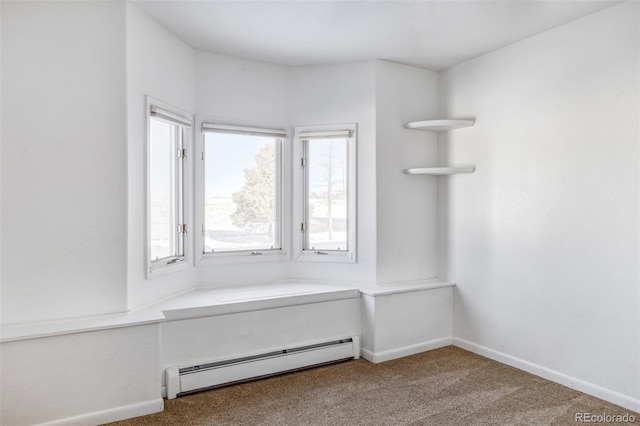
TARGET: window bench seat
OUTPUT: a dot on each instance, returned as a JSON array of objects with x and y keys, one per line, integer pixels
[
  {"x": 192, "y": 304},
  {"x": 224, "y": 301}
]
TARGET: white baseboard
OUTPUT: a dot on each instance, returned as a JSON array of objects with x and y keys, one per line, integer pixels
[
  {"x": 383, "y": 356},
  {"x": 112, "y": 414},
  {"x": 609, "y": 395}
]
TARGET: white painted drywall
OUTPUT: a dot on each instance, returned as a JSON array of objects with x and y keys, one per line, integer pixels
[
  {"x": 543, "y": 239},
  {"x": 163, "y": 67},
  {"x": 406, "y": 212},
  {"x": 399, "y": 324},
  {"x": 334, "y": 94},
  {"x": 241, "y": 89},
  {"x": 82, "y": 378},
  {"x": 64, "y": 160}
]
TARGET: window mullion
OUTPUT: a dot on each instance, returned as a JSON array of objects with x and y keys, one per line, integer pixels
[
  {"x": 180, "y": 191},
  {"x": 174, "y": 191},
  {"x": 305, "y": 194},
  {"x": 278, "y": 194}
]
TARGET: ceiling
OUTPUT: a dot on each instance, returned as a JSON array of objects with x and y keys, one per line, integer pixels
[{"x": 425, "y": 33}]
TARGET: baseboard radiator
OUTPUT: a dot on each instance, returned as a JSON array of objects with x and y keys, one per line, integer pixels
[{"x": 193, "y": 378}]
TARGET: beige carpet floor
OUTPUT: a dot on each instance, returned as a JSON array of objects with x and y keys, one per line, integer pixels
[{"x": 447, "y": 386}]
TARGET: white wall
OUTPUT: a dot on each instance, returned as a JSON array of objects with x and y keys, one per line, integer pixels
[
  {"x": 334, "y": 94},
  {"x": 241, "y": 89},
  {"x": 543, "y": 240},
  {"x": 403, "y": 323},
  {"x": 163, "y": 67},
  {"x": 64, "y": 109},
  {"x": 63, "y": 160},
  {"x": 81, "y": 378},
  {"x": 406, "y": 212}
]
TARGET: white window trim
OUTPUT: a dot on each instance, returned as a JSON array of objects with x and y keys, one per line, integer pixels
[
  {"x": 245, "y": 256},
  {"x": 179, "y": 117},
  {"x": 300, "y": 254}
]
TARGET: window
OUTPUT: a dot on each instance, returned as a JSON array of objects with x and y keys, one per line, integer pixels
[
  {"x": 327, "y": 191},
  {"x": 241, "y": 191},
  {"x": 166, "y": 229}
]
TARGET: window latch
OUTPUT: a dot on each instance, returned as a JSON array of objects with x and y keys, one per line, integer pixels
[{"x": 322, "y": 253}]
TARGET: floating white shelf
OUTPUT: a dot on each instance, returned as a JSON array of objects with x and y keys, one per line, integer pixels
[
  {"x": 439, "y": 170},
  {"x": 438, "y": 125}
]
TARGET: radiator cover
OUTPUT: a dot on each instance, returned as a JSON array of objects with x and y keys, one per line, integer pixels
[{"x": 193, "y": 378}]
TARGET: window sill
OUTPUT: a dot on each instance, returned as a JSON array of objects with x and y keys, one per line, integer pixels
[
  {"x": 243, "y": 257},
  {"x": 159, "y": 271},
  {"x": 326, "y": 257}
]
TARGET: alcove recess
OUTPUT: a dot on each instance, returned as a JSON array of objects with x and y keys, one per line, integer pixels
[{"x": 443, "y": 125}]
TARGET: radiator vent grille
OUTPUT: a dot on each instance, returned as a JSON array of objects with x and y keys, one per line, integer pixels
[{"x": 193, "y": 378}]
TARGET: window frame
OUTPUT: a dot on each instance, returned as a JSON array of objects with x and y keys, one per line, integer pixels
[
  {"x": 158, "y": 110},
  {"x": 282, "y": 203},
  {"x": 300, "y": 196}
]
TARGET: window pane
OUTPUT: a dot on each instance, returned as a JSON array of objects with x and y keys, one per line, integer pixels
[
  {"x": 326, "y": 194},
  {"x": 240, "y": 206},
  {"x": 162, "y": 188}
]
